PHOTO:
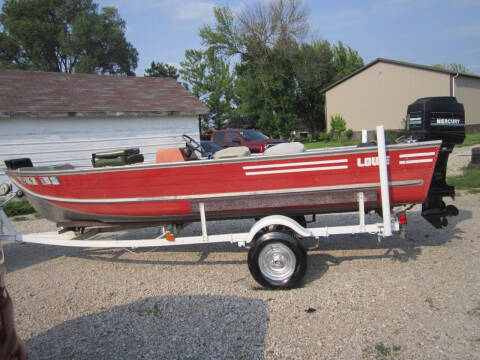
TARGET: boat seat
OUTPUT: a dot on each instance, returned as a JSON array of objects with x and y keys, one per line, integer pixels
[
  {"x": 117, "y": 157},
  {"x": 285, "y": 149},
  {"x": 169, "y": 155},
  {"x": 232, "y": 152},
  {"x": 173, "y": 155},
  {"x": 14, "y": 164}
]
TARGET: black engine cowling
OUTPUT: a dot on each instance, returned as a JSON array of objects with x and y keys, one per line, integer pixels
[{"x": 438, "y": 118}]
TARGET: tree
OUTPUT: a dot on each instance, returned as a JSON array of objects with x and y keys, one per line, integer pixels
[
  {"x": 263, "y": 37},
  {"x": 256, "y": 29},
  {"x": 249, "y": 99},
  {"x": 455, "y": 67},
  {"x": 212, "y": 82},
  {"x": 277, "y": 25},
  {"x": 277, "y": 75},
  {"x": 337, "y": 126},
  {"x": 313, "y": 71},
  {"x": 278, "y": 116},
  {"x": 160, "y": 69},
  {"x": 64, "y": 35},
  {"x": 345, "y": 61}
]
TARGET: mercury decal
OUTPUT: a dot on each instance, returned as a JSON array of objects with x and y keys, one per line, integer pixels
[{"x": 446, "y": 121}]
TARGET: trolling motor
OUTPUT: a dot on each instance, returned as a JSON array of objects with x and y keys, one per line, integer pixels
[{"x": 438, "y": 118}]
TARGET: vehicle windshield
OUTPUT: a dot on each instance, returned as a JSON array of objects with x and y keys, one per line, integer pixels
[
  {"x": 210, "y": 146},
  {"x": 253, "y": 135}
]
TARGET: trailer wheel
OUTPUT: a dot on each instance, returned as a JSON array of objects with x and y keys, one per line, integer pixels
[{"x": 277, "y": 260}]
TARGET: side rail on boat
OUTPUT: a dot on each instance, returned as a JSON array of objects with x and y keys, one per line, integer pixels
[{"x": 277, "y": 256}]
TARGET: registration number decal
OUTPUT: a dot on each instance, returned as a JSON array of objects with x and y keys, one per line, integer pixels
[
  {"x": 44, "y": 180},
  {"x": 27, "y": 180}
]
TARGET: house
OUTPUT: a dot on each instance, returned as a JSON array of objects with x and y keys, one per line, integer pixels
[
  {"x": 64, "y": 118},
  {"x": 379, "y": 93}
]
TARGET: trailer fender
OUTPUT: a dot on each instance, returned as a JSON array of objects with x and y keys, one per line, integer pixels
[{"x": 277, "y": 220}]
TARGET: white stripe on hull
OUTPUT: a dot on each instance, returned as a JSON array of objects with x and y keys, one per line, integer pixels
[
  {"x": 419, "y": 161},
  {"x": 322, "y": 168},
  {"x": 416, "y": 155},
  {"x": 306, "y": 163}
]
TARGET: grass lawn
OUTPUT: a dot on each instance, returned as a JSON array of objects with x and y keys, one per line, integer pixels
[
  {"x": 324, "y": 144},
  {"x": 469, "y": 180},
  {"x": 18, "y": 207},
  {"x": 470, "y": 139}
]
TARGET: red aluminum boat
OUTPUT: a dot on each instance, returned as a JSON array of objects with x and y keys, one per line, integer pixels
[
  {"x": 246, "y": 186},
  {"x": 285, "y": 179}
]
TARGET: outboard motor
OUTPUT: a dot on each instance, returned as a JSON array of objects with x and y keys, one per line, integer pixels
[{"x": 438, "y": 118}]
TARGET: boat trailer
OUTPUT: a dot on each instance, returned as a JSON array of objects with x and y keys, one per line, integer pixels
[{"x": 276, "y": 257}]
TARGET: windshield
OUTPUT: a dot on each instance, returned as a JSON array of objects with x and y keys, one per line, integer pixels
[
  {"x": 210, "y": 146},
  {"x": 252, "y": 135}
]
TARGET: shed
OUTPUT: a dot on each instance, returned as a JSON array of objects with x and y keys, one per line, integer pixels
[
  {"x": 379, "y": 93},
  {"x": 56, "y": 118}
]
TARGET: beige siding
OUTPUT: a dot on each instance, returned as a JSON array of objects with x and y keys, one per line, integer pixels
[
  {"x": 380, "y": 94},
  {"x": 467, "y": 91}
]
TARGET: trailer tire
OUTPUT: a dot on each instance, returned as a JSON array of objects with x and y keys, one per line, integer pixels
[{"x": 277, "y": 260}]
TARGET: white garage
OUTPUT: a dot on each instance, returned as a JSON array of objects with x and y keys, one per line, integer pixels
[{"x": 56, "y": 118}]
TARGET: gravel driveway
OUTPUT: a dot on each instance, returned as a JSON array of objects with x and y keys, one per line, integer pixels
[{"x": 413, "y": 298}]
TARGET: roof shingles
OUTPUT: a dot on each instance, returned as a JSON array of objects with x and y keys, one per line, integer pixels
[{"x": 34, "y": 91}]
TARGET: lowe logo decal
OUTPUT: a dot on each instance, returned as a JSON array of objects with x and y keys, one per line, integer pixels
[{"x": 370, "y": 161}]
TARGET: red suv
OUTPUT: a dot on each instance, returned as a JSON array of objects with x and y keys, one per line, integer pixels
[{"x": 253, "y": 139}]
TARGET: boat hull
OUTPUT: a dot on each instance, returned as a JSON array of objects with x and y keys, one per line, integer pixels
[{"x": 302, "y": 183}]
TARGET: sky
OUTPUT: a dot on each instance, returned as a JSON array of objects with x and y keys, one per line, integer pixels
[{"x": 424, "y": 32}]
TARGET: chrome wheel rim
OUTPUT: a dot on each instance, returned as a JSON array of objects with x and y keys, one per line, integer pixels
[{"x": 277, "y": 262}]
